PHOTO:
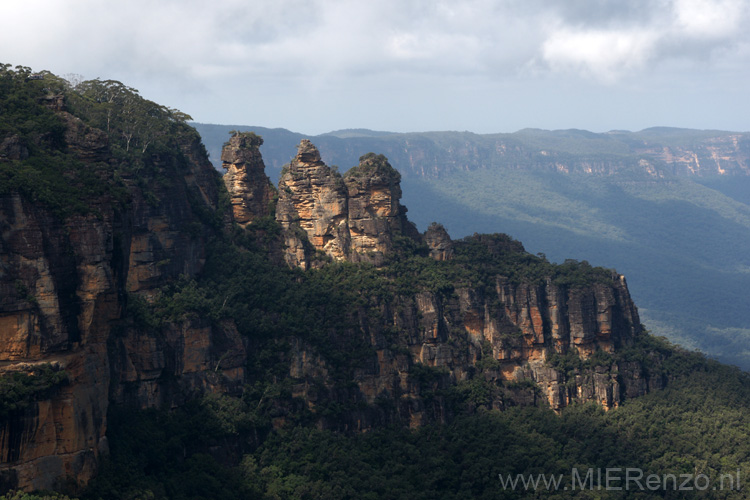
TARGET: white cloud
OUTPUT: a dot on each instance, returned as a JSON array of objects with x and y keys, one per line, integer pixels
[
  {"x": 708, "y": 18},
  {"x": 606, "y": 55},
  {"x": 695, "y": 31},
  {"x": 199, "y": 52}
]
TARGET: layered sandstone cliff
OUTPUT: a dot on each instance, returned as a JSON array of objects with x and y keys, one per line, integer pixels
[
  {"x": 78, "y": 295},
  {"x": 356, "y": 218},
  {"x": 353, "y": 218},
  {"x": 507, "y": 341},
  {"x": 67, "y": 284},
  {"x": 313, "y": 198},
  {"x": 251, "y": 192}
]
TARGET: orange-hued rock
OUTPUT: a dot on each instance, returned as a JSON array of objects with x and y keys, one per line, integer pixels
[
  {"x": 313, "y": 198},
  {"x": 58, "y": 298},
  {"x": 375, "y": 214},
  {"x": 517, "y": 325},
  {"x": 70, "y": 290},
  {"x": 353, "y": 218},
  {"x": 64, "y": 288},
  {"x": 250, "y": 189}
]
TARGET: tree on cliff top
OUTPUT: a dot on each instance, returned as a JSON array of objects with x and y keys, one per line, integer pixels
[{"x": 374, "y": 165}]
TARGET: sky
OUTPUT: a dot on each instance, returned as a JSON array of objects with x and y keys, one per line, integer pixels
[{"x": 485, "y": 66}]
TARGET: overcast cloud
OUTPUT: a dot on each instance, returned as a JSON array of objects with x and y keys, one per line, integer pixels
[{"x": 406, "y": 65}]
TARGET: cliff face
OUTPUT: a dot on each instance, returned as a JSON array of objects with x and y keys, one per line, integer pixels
[
  {"x": 65, "y": 286},
  {"x": 57, "y": 302},
  {"x": 504, "y": 341},
  {"x": 653, "y": 153},
  {"x": 518, "y": 329},
  {"x": 352, "y": 218},
  {"x": 245, "y": 178},
  {"x": 723, "y": 154},
  {"x": 81, "y": 294},
  {"x": 312, "y": 197}
]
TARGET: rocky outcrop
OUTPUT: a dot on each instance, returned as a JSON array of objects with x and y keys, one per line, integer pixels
[
  {"x": 75, "y": 293},
  {"x": 313, "y": 198},
  {"x": 375, "y": 214},
  {"x": 439, "y": 242},
  {"x": 251, "y": 191},
  {"x": 354, "y": 217}
]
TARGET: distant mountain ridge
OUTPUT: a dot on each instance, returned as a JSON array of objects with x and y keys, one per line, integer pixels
[{"x": 654, "y": 152}]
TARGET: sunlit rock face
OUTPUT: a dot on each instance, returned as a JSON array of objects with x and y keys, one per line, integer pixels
[
  {"x": 313, "y": 198},
  {"x": 70, "y": 290},
  {"x": 375, "y": 214},
  {"x": 250, "y": 189},
  {"x": 353, "y": 218}
]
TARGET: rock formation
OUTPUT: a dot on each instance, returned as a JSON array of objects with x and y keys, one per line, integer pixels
[
  {"x": 354, "y": 217},
  {"x": 77, "y": 295},
  {"x": 507, "y": 337},
  {"x": 251, "y": 192},
  {"x": 375, "y": 214},
  {"x": 312, "y": 197},
  {"x": 439, "y": 242}
]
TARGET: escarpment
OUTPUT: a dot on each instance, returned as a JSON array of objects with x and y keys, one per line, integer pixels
[
  {"x": 150, "y": 285},
  {"x": 518, "y": 327},
  {"x": 77, "y": 264},
  {"x": 541, "y": 342}
]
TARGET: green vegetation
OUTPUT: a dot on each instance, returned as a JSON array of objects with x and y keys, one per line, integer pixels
[
  {"x": 373, "y": 165},
  {"x": 265, "y": 443},
  {"x": 18, "y": 390},
  {"x": 132, "y": 122},
  {"x": 33, "y": 157},
  {"x": 38, "y": 159},
  {"x": 210, "y": 449},
  {"x": 20, "y": 495},
  {"x": 247, "y": 139}
]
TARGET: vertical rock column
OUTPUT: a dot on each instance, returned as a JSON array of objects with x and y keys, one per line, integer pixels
[
  {"x": 439, "y": 242},
  {"x": 375, "y": 213},
  {"x": 312, "y": 202},
  {"x": 250, "y": 190}
]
